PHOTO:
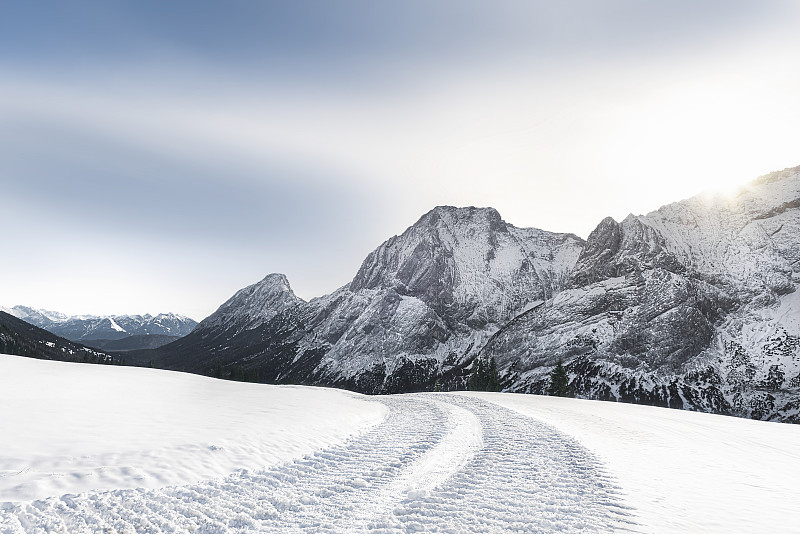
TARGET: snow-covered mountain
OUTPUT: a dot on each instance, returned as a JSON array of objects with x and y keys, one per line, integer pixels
[
  {"x": 91, "y": 327},
  {"x": 24, "y": 339},
  {"x": 422, "y": 301},
  {"x": 34, "y": 316},
  {"x": 253, "y": 306},
  {"x": 418, "y": 307},
  {"x": 693, "y": 305}
]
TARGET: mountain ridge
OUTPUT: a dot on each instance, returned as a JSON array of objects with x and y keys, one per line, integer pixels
[
  {"x": 418, "y": 305},
  {"x": 693, "y": 305},
  {"x": 104, "y": 327},
  {"x": 675, "y": 308}
]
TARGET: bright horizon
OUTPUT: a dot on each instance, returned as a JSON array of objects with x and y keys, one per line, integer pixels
[{"x": 157, "y": 159}]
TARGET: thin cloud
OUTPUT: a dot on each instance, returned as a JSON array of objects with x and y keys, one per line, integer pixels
[{"x": 296, "y": 136}]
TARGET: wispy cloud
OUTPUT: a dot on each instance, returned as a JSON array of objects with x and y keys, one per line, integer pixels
[{"x": 296, "y": 136}]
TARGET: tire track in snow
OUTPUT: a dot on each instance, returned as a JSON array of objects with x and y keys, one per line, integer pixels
[
  {"x": 460, "y": 444},
  {"x": 438, "y": 463},
  {"x": 527, "y": 477}
]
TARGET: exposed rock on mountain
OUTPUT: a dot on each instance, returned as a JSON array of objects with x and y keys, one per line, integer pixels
[
  {"x": 35, "y": 317},
  {"x": 253, "y": 306},
  {"x": 420, "y": 305},
  {"x": 693, "y": 306}
]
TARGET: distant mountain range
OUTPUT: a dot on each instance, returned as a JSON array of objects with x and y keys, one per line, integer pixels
[
  {"x": 114, "y": 332},
  {"x": 24, "y": 339}
]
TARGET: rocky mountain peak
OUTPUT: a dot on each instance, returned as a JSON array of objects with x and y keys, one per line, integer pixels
[
  {"x": 274, "y": 282},
  {"x": 254, "y": 305},
  {"x": 428, "y": 251},
  {"x": 455, "y": 259},
  {"x": 449, "y": 216},
  {"x": 777, "y": 176},
  {"x": 36, "y": 316},
  {"x": 594, "y": 262}
]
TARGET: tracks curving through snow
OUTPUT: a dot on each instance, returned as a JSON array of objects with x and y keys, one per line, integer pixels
[
  {"x": 437, "y": 463},
  {"x": 457, "y": 447}
]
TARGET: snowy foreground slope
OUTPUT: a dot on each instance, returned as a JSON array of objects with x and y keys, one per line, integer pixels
[
  {"x": 182, "y": 453},
  {"x": 683, "y": 471},
  {"x": 76, "y": 427}
]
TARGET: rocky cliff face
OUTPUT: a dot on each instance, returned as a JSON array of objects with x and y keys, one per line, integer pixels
[
  {"x": 423, "y": 301},
  {"x": 420, "y": 304},
  {"x": 252, "y": 306},
  {"x": 693, "y": 306}
]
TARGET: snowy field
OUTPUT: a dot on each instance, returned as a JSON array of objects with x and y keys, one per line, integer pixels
[
  {"x": 684, "y": 471},
  {"x": 70, "y": 428},
  {"x": 87, "y": 448}
]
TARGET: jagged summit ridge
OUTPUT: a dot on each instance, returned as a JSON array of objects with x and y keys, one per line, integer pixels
[
  {"x": 459, "y": 257},
  {"x": 692, "y": 305},
  {"x": 94, "y": 327},
  {"x": 434, "y": 293},
  {"x": 423, "y": 299},
  {"x": 253, "y": 305}
]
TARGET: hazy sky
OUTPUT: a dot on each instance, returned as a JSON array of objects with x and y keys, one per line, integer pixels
[{"x": 158, "y": 156}]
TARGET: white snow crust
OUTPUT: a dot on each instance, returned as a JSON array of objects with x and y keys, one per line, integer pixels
[
  {"x": 683, "y": 471},
  {"x": 70, "y": 428},
  {"x": 115, "y": 326},
  {"x": 91, "y": 448}
]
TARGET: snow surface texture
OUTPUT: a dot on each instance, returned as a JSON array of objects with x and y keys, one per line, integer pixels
[
  {"x": 77, "y": 427},
  {"x": 684, "y": 471},
  {"x": 436, "y": 462}
]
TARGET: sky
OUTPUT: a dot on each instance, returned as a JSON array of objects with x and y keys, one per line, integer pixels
[{"x": 159, "y": 156}]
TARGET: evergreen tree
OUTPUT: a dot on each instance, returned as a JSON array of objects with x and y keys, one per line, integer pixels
[
  {"x": 240, "y": 374},
  {"x": 775, "y": 378},
  {"x": 218, "y": 370},
  {"x": 237, "y": 373},
  {"x": 492, "y": 378},
  {"x": 559, "y": 381},
  {"x": 476, "y": 379},
  {"x": 484, "y": 375}
]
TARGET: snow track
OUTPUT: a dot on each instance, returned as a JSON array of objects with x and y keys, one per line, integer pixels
[
  {"x": 437, "y": 463},
  {"x": 443, "y": 460}
]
